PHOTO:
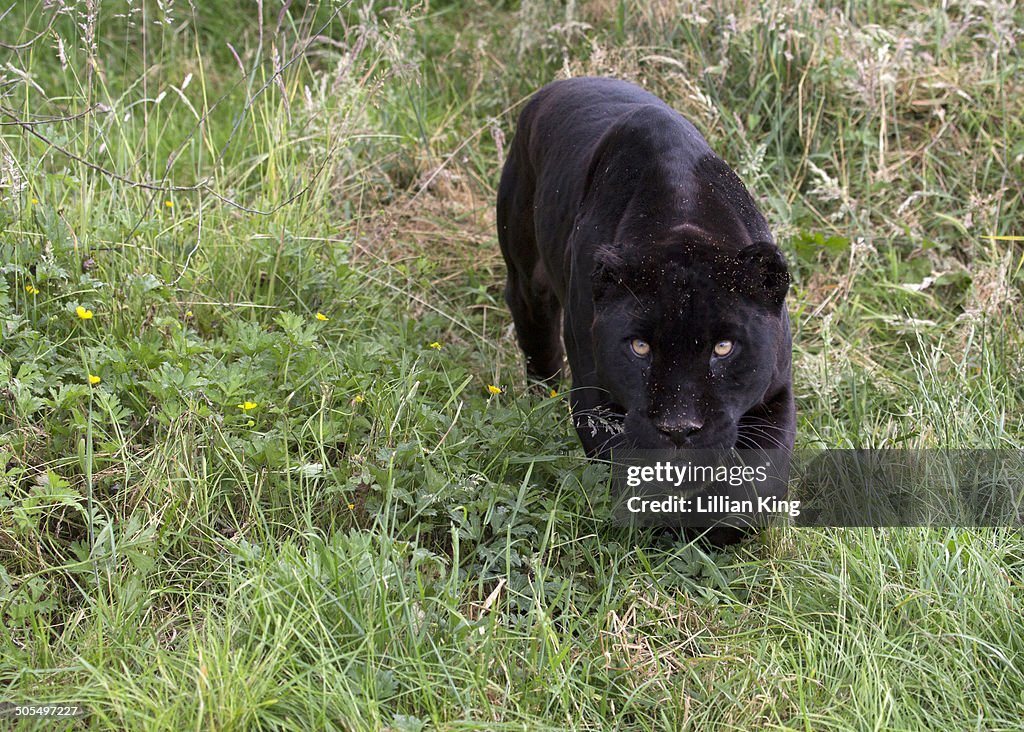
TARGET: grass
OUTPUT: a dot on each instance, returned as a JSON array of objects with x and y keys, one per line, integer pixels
[{"x": 258, "y": 518}]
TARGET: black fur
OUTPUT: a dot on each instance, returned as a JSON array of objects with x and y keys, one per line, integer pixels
[{"x": 617, "y": 222}]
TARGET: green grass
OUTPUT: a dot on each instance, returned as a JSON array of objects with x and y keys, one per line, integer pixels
[{"x": 258, "y": 518}]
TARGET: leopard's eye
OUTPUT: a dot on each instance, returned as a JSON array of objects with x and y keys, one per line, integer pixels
[
  {"x": 723, "y": 348},
  {"x": 640, "y": 347}
]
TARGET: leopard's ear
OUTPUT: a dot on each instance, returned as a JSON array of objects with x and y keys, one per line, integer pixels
[
  {"x": 607, "y": 277},
  {"x": 763, "y": 273}
]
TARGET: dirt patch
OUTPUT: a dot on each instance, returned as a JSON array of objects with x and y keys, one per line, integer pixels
[{"x": 445, "y": 217}]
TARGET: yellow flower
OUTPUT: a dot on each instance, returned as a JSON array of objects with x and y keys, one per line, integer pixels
[
  {"x": 553, "y": 393},
  {"x": 31, "y": 290},
  {"x": 188, "y": 313},
  {"x": 321, "y": 316},
  {"x": 493, "y": 389},
  {"x": 351, "y": 507},
  {"x": 35, "y": 201},
  {"x": 169, "y": 204},
  {"x": 94, "y": 380},
  {"x": 358, "y": 399},
  {"x": 436, "y": 346},
  {"x": 246, "y": 406},
  {"x": 83, "y": 313}
]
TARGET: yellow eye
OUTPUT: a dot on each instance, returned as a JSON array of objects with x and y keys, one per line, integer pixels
[
  {"x": 640, "y": 347},
  {"x": 723, "y": 348}
]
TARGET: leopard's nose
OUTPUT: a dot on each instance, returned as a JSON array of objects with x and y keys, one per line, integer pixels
[{"x": 680, "y": 430}]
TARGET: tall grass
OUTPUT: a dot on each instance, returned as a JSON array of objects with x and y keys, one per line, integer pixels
[{"x": 291, "y": 501}]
